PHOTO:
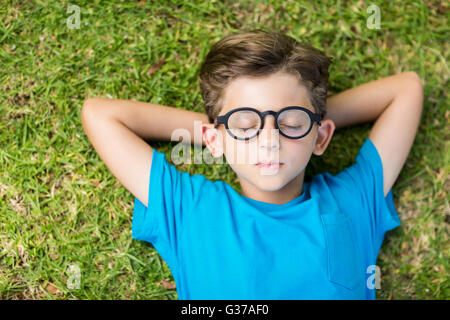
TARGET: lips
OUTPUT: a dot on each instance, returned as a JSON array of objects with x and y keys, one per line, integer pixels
[{"x": 270, "y": 165}]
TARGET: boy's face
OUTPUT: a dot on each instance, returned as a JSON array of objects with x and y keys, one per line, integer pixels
[{"x": 272, "y": 92}]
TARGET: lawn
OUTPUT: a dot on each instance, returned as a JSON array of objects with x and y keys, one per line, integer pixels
[{"x": 65, "y": 221}]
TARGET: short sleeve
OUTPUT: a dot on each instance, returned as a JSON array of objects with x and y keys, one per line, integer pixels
[
  {"x": 364, "y": 180},
  {"x": 172, "y": 196}
]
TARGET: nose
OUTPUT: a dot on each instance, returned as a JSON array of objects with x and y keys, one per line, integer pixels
[{"x": 269, "y": 136}]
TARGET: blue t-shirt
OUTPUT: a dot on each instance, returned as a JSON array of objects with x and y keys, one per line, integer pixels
[{"x": 219, "y": 244}]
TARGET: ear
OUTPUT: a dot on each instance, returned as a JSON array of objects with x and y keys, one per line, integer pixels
[
  {"x": 213, "y": 139},
  {"x": 324, "y": 133}
]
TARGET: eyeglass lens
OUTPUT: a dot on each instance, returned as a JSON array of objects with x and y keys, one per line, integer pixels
[{"x": 246, "y": 123}]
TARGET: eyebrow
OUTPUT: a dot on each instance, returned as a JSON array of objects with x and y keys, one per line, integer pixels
[{"x": 310, "y": 108}]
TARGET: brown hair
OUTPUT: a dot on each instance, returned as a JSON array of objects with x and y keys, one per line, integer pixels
[{"x": 261, "y": 53}]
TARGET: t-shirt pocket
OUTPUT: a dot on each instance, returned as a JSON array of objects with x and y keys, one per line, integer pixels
[{"x": 342, "y": 255}]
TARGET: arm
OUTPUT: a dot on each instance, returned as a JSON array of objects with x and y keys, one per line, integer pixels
[
  {"x": 395, "y": 102},
  {"x": 147, "y": 120},
  {"x": 116, "y": 129}
]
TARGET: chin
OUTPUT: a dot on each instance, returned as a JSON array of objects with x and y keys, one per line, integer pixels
[{"x": 269, "y": 183}]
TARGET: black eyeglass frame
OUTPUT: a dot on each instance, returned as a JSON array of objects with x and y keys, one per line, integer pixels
[{"x": 314, "y": 117}]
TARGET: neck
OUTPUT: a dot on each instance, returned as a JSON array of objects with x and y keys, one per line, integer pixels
[{"x": 289, "y": 192}]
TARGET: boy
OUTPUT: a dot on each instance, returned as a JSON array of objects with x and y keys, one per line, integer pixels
[{"x": 265, "y": 96}]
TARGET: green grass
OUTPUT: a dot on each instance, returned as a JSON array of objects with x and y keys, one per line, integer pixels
[{"x": 60, "y": 205}]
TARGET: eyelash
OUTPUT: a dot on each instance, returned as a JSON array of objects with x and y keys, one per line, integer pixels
[{"x": 289, "y": 127}]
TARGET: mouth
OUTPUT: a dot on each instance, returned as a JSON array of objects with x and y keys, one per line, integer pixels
[{"x": 270, "y": 165}]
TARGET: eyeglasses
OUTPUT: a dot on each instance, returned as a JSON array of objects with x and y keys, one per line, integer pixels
[{"x": 293, "y": 122}]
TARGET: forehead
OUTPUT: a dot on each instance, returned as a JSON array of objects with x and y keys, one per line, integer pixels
[{"x": 272, "y": 92}]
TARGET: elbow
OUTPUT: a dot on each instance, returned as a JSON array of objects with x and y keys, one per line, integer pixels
[
  {"x": 87, "y": 109},
  {"x": 416, "y": 91},
  {"x": 414, "y": 77},
  {"x": 415, "y": 80},
  {"x": 88, "y": 103},
  {"x": 415, "y": 86},
  {"x": 91, "y": 104}
]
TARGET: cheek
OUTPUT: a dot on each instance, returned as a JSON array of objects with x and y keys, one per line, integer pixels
[
  {"x": 297, "y": 151},
  {"x": 239, "y": 152}
]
